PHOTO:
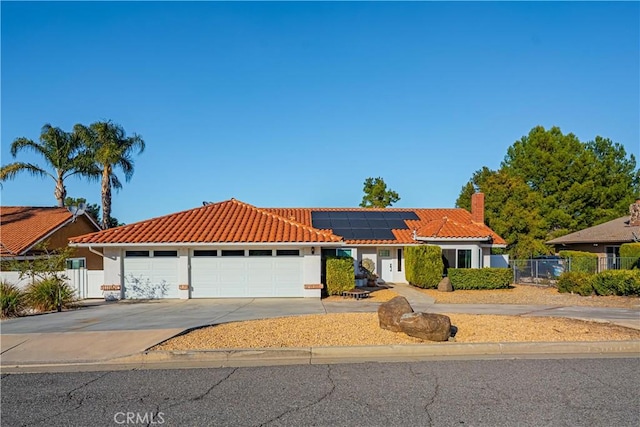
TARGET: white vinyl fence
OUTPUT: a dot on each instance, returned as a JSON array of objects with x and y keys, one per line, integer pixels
[{"x": 86, "y": 283}]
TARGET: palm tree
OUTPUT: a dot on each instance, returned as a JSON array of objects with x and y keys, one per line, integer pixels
[
  {"x": 62, "y": 151},
  {"x": 110, "y": 148}
]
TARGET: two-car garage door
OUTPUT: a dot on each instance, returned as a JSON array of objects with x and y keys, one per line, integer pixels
[{"x": 238, "y": 277}]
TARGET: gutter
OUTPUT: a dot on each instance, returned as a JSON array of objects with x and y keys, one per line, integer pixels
[{"x": 93, "y": 251}]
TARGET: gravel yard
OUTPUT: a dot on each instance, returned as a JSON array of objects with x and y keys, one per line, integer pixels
[
  {"x": 349, "y": 329},
  {"x": 352, "y": 329},
  {"x": 528, "y": 294}
]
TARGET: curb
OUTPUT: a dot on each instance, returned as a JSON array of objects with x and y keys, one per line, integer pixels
[
  {"x": 316, "y": 355},
  {"x": 332, "y": 355}
]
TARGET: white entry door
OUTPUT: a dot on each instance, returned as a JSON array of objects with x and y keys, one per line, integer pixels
[{"x": 386, "y": 269}]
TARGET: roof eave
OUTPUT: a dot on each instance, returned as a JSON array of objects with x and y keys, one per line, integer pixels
[{"x": 199, "y": 244}]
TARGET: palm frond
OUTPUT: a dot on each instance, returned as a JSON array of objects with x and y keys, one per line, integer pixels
[
  {"x": 8, "y": 172},
  {"x": 25, "y": 143}
]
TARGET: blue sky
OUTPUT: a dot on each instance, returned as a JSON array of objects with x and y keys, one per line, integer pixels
[{"x": 295, "y": 104}]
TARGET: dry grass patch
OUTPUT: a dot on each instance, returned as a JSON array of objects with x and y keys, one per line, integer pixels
[
  {"x": 351, "y": 329},
  {"x": 526, "y": 294}
]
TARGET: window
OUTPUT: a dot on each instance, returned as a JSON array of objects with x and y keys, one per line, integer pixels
[
  {"x": 131, "y": 254},
  {"x": 75, "y": 263},
  {"x": 464, "y": 258},
  {"x": 384, "y": 253},
  {"x": 260, "y": 252},
  {"x": 288, "y": 252},
  {"x": 343, "y": 252},
  {"x": 234, "y": 252},
  {"x": 165, "y": 253},
  {"x": 399, "y": 259},
  {"x": 205, "y": 253}
]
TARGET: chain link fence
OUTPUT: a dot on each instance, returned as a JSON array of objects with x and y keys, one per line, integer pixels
[{"x": 546, "y": 271}]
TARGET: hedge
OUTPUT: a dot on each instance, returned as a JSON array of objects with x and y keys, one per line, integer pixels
[
  {"x": 480, "y": 278},
  {"x": 617, "y": 282},
  {"x": 608, "y": 282},
  {"x": 575, "y": 282},
  {"x": 630, "y": 255},
  {"x": 423, "y": 265},
  {"x": 340, "y": 275},
  {"x": 585, "y": 262}
]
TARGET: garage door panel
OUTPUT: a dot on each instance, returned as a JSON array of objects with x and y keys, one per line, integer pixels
[
  {"x": 150, "y": 278},
  {"x": 246, "y": 277}
]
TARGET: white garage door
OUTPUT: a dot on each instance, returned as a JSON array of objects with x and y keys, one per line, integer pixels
[
  {"x": 151, "y": 277},
  {"x": 241, "y": 277}
]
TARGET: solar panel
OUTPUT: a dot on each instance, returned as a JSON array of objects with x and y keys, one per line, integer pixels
[
  {"x": 397, "y": 224},
  {"x": 374, "y": 215},
  {"x": 383, "y": 234},
  {"x": 362, "y": 233},
  {"x": 358, "y": 223},
  {"x": 319, "y": 215},
  {"x": 321, "y": 223},
  {"x": 362, "y": 224},
  {"x": 338, "y": 215},
  {"x": 340, "y": 223},
  {"x": 378, "y": 223}
]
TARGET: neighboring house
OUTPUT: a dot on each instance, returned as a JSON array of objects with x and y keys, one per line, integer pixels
[
  {"x": 23, "y": 229},
  {"x": 233, "y": 249},
  {"x": 604, "y": 239}
]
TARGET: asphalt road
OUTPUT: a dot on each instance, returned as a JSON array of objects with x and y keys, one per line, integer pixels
[{"x": 562, "y": 392}]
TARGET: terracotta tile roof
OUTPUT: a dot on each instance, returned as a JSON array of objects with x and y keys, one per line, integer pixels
[
  {"x": 230, "y": 221},
  {"x": 450, "y": 223},
  {"x": 614, "y": 231},
  {"x": 21, "y": 227}
]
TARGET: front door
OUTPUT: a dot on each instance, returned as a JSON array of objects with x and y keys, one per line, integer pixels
[{"x": 386, "y": 269}]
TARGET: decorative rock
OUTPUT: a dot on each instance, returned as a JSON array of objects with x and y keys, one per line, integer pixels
[
  {"x": 426, "y": 326},
  {"x": 445, "y": 285},
  {"x": 390, "y": 312}
]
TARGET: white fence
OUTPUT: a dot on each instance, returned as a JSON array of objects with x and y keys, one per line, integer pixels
[{"x": 85, "y": 282}]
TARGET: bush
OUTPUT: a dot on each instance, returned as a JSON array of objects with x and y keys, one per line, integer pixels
[
  {"x": 480, "y": 278},
  {"x": 340, "y": 275},
  {"x": 576, "y": 282},
  {"x": 424, "y": 266},
  {"x": 12, "y": 300},
  {"x": 617, "y": 282},
  {"x": 585, "y": 262},
  {"x": 630, "y": 255},
  {"x": 50, "y": 294}
]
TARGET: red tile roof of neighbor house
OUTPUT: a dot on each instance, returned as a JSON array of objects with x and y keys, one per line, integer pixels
[
  {"x": 233, "y": 221},
  {"x": 21, "y": 227}
]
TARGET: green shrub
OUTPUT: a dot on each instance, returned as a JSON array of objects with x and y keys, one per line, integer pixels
[
  {"x": 50, "y": 294},
  {"x": 617, "y": 282},
  {"x": 576, "y": 282},
  {"x": 12, "y": 300},
  {"x": 480, "y": 278},
  {"x": 340, "y": 275},
  {"x": 424, "y": 265},
  {"x": 630, "y": 255},
  {"x": 585, "y": 262}
]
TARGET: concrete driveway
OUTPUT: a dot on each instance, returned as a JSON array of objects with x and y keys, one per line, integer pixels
[{"x": 103, "y": 331}]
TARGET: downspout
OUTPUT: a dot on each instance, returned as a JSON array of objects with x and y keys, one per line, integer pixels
[{"x": 93, "y": 251}]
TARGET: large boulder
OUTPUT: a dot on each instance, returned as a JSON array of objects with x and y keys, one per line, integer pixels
[
  {"x": 445, "y": 285},
  {"x": 390, "y": 312},
  {"x": 426, "y": 326}
]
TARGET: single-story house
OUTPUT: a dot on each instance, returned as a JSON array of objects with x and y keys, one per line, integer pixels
[
  {"x": 604, "y": 239},
  {"x": 23, "y": 229},
  {"x": 233, "y": 249}
]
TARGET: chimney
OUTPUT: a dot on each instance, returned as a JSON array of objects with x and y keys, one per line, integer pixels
[
  {"x": 634, "y": 214},
  {"x": 477, "y": 207}
]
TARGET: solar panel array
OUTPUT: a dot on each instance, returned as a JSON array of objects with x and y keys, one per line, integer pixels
[{"x": 362, "y": 225}]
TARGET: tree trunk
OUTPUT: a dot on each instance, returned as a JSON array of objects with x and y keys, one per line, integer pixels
[
  {"x": 60, "y": 192},
  {"x": 106, "y": 196}
]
